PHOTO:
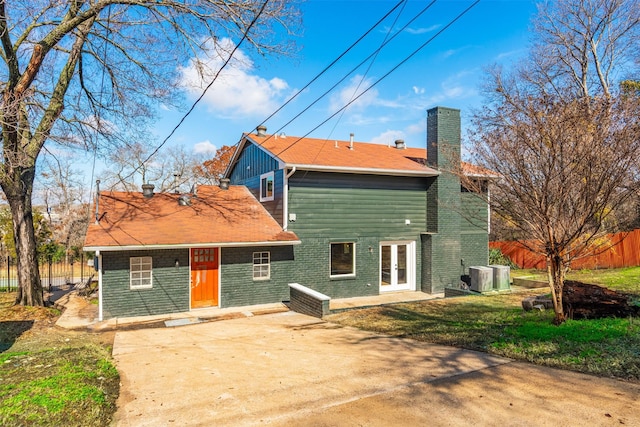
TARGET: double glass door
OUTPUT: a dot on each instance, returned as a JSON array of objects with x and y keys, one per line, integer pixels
[{"x": 397, "y": 266}]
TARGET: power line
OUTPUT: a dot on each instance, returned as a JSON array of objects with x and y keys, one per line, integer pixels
[
  {"x": 366, "y": 33},
  {"x": 193, "y": 106},
  {"x": 385, "y": 75},
  {"x": 375, "y": 52}
]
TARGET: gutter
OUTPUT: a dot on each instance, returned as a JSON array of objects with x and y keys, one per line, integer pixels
[
  {"x": 285, "y": 199},
  {"x": 190, "y": 245},
  {"x": 390, "y": 172}
]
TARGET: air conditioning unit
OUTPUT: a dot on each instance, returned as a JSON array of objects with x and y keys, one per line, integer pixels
[
  {"x": 481, "y": 279},
  {"x": 501, "y": 277}
]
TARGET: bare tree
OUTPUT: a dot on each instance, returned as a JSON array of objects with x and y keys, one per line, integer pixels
[
  {"x": 63, "y": 193},
  {"x": 564, "y": 142},
  {"x": 87, "y": 72},
  {"x": 170, "y": 170}
]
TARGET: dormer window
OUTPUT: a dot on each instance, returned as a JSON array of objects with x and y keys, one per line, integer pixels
[{"x": 266, "y": 187}]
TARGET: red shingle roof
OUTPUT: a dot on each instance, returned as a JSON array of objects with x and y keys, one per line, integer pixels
[
  {"x": 329, "y": 154},
  {"x": 215, "y": 217},
  {"x": 313, "y": 153}
]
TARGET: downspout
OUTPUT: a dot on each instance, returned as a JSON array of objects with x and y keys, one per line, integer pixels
[
  {"x": 97, "y": 201},
  {"x": 285, "y": 199},
  {"x": 99, "y": 256}
]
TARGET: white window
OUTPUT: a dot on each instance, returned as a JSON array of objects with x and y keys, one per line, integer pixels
[
  {"x": 266, "y": 187},
  {"x": 261, "y": 265},
  {"x": 140, "y": 273},
  {"x": 343, "y": 259}
]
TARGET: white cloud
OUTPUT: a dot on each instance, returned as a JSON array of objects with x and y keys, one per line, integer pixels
[
  {"x": 422, "y": 30},
  {"x": 204, "y": 147},
  {"x": 388, "y": 137},
  {"x": 508, "y": 54},
  {"x": 356, "y": 86},
  {"x": 418, "y": 90},
  {"x": 238, "y": 90}
]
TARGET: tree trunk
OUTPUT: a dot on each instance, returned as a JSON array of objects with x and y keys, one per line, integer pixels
[
  {"x": 18, "y": 193},
  {"x": 555, "y": 271}
]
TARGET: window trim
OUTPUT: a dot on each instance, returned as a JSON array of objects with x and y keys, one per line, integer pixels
[
  {"x": 265, "y": 178},
  {"x": 353, "y": 260},
  {"x": 260, "y": 255},
  {"x": 142, "y": 261}
]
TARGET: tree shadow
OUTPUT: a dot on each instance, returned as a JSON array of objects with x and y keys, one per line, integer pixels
[{"x": 11, "y": 330}]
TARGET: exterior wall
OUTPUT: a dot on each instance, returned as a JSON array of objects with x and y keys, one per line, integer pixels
[
  {"x": 170, "y": 292},
  {"x": 237, "y": 285},
  {"x": 365, "y": 209},
  {"x": 474, "y": 233},
  {"x": 252, "y": 163},
  {"x": 441, "y": 247}
]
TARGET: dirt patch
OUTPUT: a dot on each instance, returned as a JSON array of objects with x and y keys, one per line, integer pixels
[{"x": 31, "y": 328}]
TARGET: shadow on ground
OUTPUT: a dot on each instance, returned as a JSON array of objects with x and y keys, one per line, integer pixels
[{"x": 11, "y": 330}]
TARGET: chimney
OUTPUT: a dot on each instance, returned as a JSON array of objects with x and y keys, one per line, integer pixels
[
  {"x": 351, "y": 141},
  {"x": 400, "y": 144},
  {"x": 147, "y": 190},
  {"x": 224, "y": 183},
  {"x": 262, "y": 130}
]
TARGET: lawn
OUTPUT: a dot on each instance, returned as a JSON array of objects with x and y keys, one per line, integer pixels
[
  {"x": 497, "y": 324},
  {"x": 50, "y": 376}
]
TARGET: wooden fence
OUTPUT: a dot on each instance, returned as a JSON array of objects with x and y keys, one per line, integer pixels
[{"x": 624, "y": 254}]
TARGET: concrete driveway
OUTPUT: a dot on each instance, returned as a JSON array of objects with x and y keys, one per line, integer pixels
[{"x": 290, "y": 369}]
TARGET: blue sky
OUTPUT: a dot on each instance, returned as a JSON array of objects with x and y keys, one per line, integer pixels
[{"x": 447, "y": 72}]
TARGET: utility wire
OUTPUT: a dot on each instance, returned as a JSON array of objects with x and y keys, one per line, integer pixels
[
  {"x": 386, "y": 75},
  {"x": 193, "y": 106},
  {"x": 349, "y": 73},
  {"x": 334, "y": 61},
  {"x": 364, "y": 75}
]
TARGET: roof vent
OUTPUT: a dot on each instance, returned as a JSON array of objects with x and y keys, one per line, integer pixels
[
  {"x": 400, "y": 144},
  {"x": 147, "y": 190},
  {"x": 262, "y": 130},
  {"x": 224, "y": 183},
  {"x": 184, "y": 200},
  {"x": 351, "y": 141}
]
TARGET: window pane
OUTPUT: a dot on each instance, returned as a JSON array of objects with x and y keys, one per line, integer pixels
[
  {"x": 342, "y": 258},
  {"x": 261, "y": 265},
  {"x": 140, "y": 275}
]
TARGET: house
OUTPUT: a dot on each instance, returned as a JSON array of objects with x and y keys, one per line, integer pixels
[
  {"x": 343, "y": 218},
  {"x": 169, "y": 253},
  {"x": 371, "y": 218}
]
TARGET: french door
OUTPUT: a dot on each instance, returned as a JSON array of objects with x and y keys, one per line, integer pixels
[{"x": 397, "y": 266}]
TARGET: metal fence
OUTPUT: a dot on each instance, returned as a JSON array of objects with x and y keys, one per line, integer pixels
[{"x": 52, "y": 274}]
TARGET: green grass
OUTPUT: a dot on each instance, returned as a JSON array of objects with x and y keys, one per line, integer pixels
[
  {"x": 58, "y": 387},
  {"x": 620, "y": 279},
  {"x": 497, "y": 324}
]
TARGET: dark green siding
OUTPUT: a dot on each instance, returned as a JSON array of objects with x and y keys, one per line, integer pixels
[
  {"x": 474, "y": 249},
  {"x": 474, "y": 214},
  {"x": 170, "y": 292},
  {"x": 238, "y": 287},
  {"x": 274, "y": 207},
  {"x": 252, "y": 162},
  {"x": 341, "y": 205},
  {"x": 365, "y": 209}
]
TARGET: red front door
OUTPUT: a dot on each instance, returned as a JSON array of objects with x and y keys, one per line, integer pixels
[{"x": 204, "y": 277}]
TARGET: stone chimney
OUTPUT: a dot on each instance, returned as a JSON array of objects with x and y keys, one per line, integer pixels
[
  {"x": 262, "y": 130},
  {"x": 400, "y": 144}
]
